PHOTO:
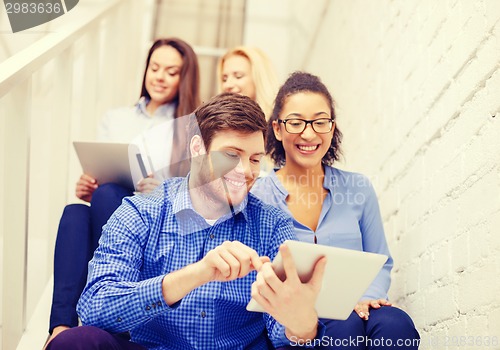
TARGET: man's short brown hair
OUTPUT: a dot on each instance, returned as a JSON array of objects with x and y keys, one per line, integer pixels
[{"x": 228, "y": 112}]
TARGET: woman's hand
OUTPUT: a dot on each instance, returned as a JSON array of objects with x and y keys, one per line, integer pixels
[
  {"x": 85, "y": 187},
  {"x": 290, "y": 302},
  {"x": 147, "y": 184},
  {"x": 362, "y": 308}
]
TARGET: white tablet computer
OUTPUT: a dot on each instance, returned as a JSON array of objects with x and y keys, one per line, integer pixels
[
  {"x": 105, "y": 161},
  {"x": 348, "y": 274}
]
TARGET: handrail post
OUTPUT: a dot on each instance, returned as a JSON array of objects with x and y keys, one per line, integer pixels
[
  {"x": 15, "y": 225},
  {"x": 60, "y": 140}
]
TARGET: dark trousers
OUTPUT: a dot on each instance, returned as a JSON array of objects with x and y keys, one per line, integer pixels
[
  {"x": 91, "y": 338},
  {"x": 78, "y": 234},
  {"x": 386, "y": 328}
]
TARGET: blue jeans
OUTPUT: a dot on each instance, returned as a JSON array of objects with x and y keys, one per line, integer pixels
[
  {"x": 78, "y": 234},
  {"x": 386, "y": 328}
]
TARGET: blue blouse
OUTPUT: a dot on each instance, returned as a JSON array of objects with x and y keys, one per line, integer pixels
[{"x": 350, "y": 218}]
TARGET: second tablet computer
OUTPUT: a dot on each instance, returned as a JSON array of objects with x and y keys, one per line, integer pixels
[{"x": 347, "y": 275}]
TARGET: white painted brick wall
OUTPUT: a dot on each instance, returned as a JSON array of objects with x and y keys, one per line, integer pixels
[{"x": 417, "y": 86}]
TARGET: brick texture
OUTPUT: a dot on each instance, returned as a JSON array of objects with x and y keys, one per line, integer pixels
[{"x": 417, "y": 90}]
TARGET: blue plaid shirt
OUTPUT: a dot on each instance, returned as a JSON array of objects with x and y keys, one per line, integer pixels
[{"x": 151, "y": 236}]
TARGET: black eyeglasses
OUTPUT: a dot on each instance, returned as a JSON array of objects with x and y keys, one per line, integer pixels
[{"x": 297, "y": 126}]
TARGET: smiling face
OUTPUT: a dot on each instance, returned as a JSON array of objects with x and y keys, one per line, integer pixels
[
  {"x": 231, "y": 168},
  {"x": 304, "y": 150},
  {"x": 237, "y": 76},
  {"x": 163, "y": 76}
]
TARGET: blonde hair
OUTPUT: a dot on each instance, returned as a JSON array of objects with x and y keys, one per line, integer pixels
[{"x": 263, "y": 75}]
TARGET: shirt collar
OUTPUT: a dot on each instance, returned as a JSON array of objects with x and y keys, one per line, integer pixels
[
  {"x": 242, "y": 208},
  {"x": 182, "y": 200},
  {"x": 328, "y": 181},
  {"x": 164, "y": 110},
  {"x": 282, "y": 192}
]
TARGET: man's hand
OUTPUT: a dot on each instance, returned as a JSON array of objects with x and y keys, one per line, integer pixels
[
  {"x": 85, "y": 187},
  {"x": 229, "y": 261},
  {"x": 290, "y": 302},
  {"x": 362, "y": 308}
]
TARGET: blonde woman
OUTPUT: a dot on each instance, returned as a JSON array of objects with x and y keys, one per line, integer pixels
[{"x": 248, "y": 71}]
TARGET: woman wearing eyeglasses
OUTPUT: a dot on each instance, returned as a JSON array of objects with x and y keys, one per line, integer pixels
[{"x": 329, "y": 206}]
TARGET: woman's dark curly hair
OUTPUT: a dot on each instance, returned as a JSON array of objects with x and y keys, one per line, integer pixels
[{"x": 300, "y": 82}]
